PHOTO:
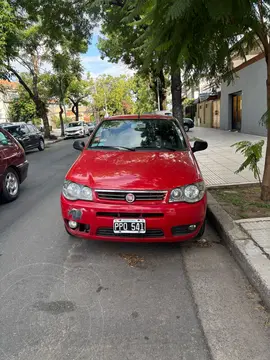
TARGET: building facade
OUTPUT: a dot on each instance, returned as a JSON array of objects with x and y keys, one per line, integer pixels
[
  {"x": 8, "y": 92},
  {"x": 244, "y": 101}
]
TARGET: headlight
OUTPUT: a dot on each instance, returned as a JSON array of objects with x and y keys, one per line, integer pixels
[
  {"x": 73, "y": 191},
  {"x": 189, "y": 193}
]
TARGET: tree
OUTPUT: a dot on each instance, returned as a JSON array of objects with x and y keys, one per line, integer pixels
[
  {"x": 32, "y": 30},
  {"x": 77, "y": 92},
  {"x": 22, "y": 108},
  {"x": 201, "y": 37},
  {"x": 123, "y": 42},
  {"x": 66, "y": 66},
  {"x": 145, "y": 99},
  {"x": 113, "y": 95}
]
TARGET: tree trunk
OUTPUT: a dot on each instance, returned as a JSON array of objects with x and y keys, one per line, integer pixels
[
  {"x": 77, "y": 111},
  {"x": 176, "y": 88},
  {"x": 265, "y": 193},
  {"x": 61, "y": 120},
  {"x": 42, "y": 113},
  {"x": 162, "y": 91}
]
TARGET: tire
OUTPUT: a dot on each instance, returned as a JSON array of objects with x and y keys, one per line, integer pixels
[
  {"x": 186, "y": 128},
  {"x": 41, "y": 146},
  {"x": 11, "y": 185},
  {"x": 201, "y": 232}
]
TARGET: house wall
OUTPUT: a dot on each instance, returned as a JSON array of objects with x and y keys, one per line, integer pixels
[
  {"x": 251, "y": 81},
  {"x": 216, "y": 114},
  {"x": 205, "y": 113}
]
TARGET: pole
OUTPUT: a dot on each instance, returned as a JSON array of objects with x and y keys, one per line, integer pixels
[{"x": 158, "y": 94}]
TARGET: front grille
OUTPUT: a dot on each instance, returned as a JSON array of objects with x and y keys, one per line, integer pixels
[
  {"x": 129, "y": 215},
  {"x": 150, "y": 233},
  {"x": 139, "y": 195},
  {"x": 181, "y": 230}
]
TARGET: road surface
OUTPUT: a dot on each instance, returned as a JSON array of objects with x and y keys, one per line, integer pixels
[{"x": 71, "y": 299}]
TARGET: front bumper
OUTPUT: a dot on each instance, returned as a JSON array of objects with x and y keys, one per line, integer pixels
[
  {"x": 164, "y": 222},
  {"x": 73, "y": 135},
  {"x": 23, "y": 170}
]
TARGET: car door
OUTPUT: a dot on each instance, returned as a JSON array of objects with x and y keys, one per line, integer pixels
[
  {"x": 34, "y": 135},
  {"x": 25, "y": 135},
  {"x": 3, "y": 165}
]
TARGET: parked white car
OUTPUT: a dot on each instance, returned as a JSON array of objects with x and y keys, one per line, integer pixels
[{"x": 76, "y": 129}]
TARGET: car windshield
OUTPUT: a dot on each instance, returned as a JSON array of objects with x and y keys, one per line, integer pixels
[
  {"x": 13, "y": 130},
  {"x": 159, "y": 134},
  {"x": 74, "y": 124}
]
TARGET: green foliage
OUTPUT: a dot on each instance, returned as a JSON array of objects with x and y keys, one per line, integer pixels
[
  {"x": 57, "y": 122},
  {"x": 145, "y": 99},
  {"x": 113, "y": 95},
  {"x": 22, "y": 109},
  {"x": 188, "y": 102},
  {"x": 252, "y": 154}
]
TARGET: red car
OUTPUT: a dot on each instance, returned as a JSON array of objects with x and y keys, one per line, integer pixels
[
  {"x": 135, "y": 180},
  {"x": 13, "y": 166}
]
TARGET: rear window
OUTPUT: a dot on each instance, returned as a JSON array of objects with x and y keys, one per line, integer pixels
[
  {"x": 139, "y": 134},
  {"x": 74, "y": 124},
  {"x": 13, "y": 130}
]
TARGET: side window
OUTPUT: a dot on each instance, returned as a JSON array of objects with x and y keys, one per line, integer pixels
[
  {"x": 3, "y": 139},
  {"x": 24, "y": 130},
  {"x": 32, "y": 128}
]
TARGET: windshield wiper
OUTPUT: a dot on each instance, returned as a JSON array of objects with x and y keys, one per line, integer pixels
[
  {"x": 154, "y": 148},
  {"x": 112, "y": 147}
]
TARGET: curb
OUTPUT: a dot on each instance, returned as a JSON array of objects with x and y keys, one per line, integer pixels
[
  {"x": 247, "y": 253},
  {"x": 49, "y": 142}
]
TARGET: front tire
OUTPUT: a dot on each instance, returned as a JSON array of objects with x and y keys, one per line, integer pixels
[
  {"x": 41, "y": 145},
  {"x": 11, "y": 186},
  {"x": 201, "y": 232},
  {"x": 186, "y": 128}
]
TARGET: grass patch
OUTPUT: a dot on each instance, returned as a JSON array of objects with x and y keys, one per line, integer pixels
[
  {"x": 242, "y": 202},
  {"x": 195, "y": 139}
]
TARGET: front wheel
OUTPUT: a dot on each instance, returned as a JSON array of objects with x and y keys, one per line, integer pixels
[
  {"x": 201, "y": 232},
  {"x": 186, "y": 128},
  {"x": 11, "y": 185},
  {"x": 41, "y": 145}
]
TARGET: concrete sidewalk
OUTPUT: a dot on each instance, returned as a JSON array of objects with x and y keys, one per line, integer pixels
[{"x": 219, "y": 162}]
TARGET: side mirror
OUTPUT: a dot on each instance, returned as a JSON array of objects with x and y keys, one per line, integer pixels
[
  {"x": 79, "y": 145},
  {"x": 199, "y": 145}
]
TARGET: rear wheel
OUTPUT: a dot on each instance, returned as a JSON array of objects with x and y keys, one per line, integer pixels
[
  {"x": 186, "y": 128},
  {"x": 41, "y": 145},
  {"x": 11, "y": 185}
]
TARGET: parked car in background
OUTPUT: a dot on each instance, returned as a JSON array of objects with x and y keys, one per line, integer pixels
[
  {"x": 187, "y": 122},
  {"x": 76, "y": 129},
  {"x": 136, "y": 179},
  {"x": 91, "y": 127},
  {"x": 13, "y": 166},
  {"x": 27, "y": 135}
]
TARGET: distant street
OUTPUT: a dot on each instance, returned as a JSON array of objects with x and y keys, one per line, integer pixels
[{"x": 64, "y": 298}]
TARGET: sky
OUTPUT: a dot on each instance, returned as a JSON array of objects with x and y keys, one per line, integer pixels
[{"x": 93, "y": 63}]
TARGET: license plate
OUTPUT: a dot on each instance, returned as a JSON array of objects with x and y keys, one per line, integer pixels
[{"x": 129, "y": 226}]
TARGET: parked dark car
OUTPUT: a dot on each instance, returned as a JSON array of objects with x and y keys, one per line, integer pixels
[
  {"x": 13, "y": 166},
  {"x": 188, "y": 124},
  {"x": 27, "y": 135}
]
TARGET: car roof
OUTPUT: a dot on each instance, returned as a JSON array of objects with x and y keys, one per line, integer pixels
[
  {"x": 138, "y": 117},
  {"x": 14, "y": 124}
]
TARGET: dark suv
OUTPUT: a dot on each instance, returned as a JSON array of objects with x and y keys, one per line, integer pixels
[
  {"x": 27, "y": 135},
  {"x": 13, "y": 166}
]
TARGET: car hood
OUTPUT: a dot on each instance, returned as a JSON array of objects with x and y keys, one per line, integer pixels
[
  {"x": 134, "y": 170},
  {"x": 76, "y": 128}
]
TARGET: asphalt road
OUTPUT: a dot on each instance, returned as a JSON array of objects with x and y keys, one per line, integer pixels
[{"x": 69, "y": 299}]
